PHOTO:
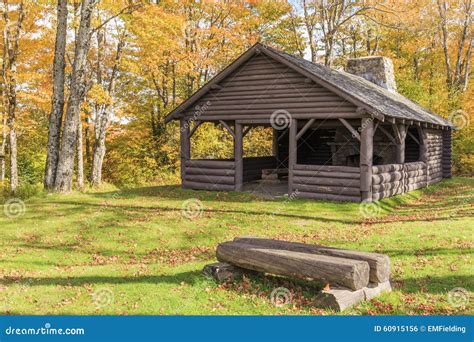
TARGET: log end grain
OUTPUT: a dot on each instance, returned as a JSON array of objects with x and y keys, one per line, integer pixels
[
  {"x": 373, "y": 290},
  {"x": 340, "y": 298},
  {"x": 222, "y": 272}
]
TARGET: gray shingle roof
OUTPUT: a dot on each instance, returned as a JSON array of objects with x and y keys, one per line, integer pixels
[{"x": 380, "y": 99}]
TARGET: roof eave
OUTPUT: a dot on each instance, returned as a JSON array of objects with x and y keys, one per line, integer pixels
[{"x": 175, "y": 114}]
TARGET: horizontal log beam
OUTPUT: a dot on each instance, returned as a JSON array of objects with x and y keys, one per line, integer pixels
[
  {"x": 208, "y": 186},
  {"x": 210, "y": 163},
  {"x": 348, "y": 169},
  {"x": 379, "y": 263},
  {"x": 328, "y": 197},
  {"x": 353, "y": 274}
]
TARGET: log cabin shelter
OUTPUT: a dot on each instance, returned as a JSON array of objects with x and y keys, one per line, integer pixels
[{"x": 337, "y": 135}]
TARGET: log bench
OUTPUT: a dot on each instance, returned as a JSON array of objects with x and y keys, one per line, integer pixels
[
  {"x": 273, "y": 175},
  {"x": 353, "y": 276}
]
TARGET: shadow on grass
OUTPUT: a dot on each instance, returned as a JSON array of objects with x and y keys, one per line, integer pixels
[
  {"x": 155, "y": 208},
  {"x": 434, "y": 284},
  {"x": 190, "y": 277},
  {"x": 426, "y": 251}
]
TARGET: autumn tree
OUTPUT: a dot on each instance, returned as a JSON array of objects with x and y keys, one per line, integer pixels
[
  {"x": 11, "y": 38},
  {"x": 57, "y": 101}
]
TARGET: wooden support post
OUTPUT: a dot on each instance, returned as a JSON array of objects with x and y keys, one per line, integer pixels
[
  {"x": 185, "y": 153},
  {"x": 275, "y": 144},
  {"x": 292, "y": 152},
  {"x": 366, "y": 156},
  {"x": 238, "y": 156},
  {"x": 401, "y": 135},
  {"x": 422, "y": 146}
]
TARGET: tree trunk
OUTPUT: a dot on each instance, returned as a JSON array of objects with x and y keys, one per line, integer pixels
[
  {"x": 13, "y": 157},
  {"x": 65, "y": 169},
  {"x": 57, "y": 102},
  {"x": 80, "y": 157},
  {"x": 11, "y": 38},
  {"x": 104, "y": 113},
  {"x": 3, "y": 149},
  {"x": 99, "y": 148}
]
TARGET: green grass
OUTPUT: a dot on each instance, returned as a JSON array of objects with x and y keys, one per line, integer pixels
[{"x": 142, "y": 256}]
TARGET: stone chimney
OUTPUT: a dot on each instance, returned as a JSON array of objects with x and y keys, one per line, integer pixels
[{"x": 376, "y": 69}]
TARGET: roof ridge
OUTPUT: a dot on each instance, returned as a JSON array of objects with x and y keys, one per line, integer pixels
[{"x": 396, "y": 97}]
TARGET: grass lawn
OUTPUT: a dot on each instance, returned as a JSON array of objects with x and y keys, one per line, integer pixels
[{"x": 134, "y": 252}]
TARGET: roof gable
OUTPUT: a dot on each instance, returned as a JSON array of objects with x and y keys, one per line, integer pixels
[{"x": 372, "y": 98}]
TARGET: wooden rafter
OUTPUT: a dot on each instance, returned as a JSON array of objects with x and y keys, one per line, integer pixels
[
  {"x": 376, "y": 126},
  {"x": 223, "y": 123},
  {"x": 246, "y": 130},
  {"x": 350, "y": 128},
  {"x": 387, "y": 133},
  {"x": 285, "y": 132},
  {"x": 196, "y": 125},
  {"x": 413, "y": 137},
  {"x": 305, "y": 128},
  {"x": 400, "y": 132}
]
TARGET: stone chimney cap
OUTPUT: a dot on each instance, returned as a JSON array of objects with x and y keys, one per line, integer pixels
[{"x": 376, "y": 69}]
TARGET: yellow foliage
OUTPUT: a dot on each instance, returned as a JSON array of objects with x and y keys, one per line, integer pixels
[{"x": 99, "y": 95}]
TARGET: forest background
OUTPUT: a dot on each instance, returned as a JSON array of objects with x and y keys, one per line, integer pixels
[{"x": 86, "y": 84}]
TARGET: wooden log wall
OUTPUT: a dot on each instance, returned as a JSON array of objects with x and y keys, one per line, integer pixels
[
  {"x": 253, "y": 167},
  {"x": 447, "y": 152},
  {"x": 209, "y": 174},
  {"x": 260, "y": 87},
  {"x": 338, "y": 183},
  {"x": 434, "y": 155},
  {"x": 394, "y": 179}
]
